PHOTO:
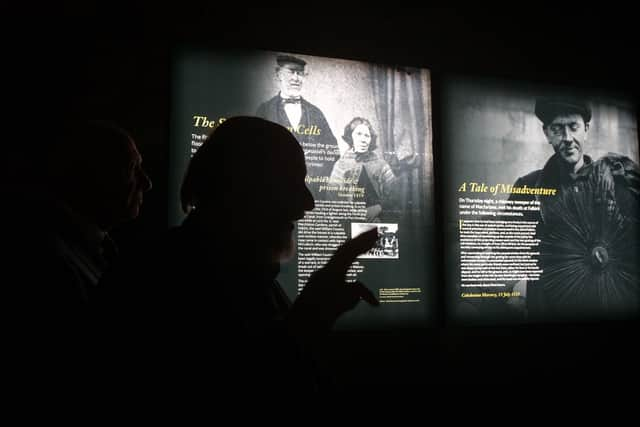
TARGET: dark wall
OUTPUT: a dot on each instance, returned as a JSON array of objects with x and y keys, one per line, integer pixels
[{"x": 114, "y": 63}]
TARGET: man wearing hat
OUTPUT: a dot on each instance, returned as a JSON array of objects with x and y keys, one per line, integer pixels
[
  {"x": 565, "y": 123},
  {"x": 572, "y": 223},
  {"x": 307, "y": 123}
]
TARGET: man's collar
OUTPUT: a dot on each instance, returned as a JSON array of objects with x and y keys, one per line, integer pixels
[
  {"x": 291, "y": 100},
  {"x": 555, "y": 167}
]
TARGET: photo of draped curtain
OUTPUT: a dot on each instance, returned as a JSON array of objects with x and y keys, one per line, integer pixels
[{"x": 402, "y": 100}]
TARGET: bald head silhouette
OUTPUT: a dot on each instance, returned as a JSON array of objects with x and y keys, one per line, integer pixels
[{"x": 249, "y": 175}]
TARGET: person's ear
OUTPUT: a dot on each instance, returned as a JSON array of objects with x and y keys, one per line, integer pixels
[{"x": 586, "y": 127}]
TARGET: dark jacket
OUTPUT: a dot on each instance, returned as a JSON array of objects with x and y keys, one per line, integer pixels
[
  {"x": 193, "y": 308},
  {"x": 588, "y": 269}
]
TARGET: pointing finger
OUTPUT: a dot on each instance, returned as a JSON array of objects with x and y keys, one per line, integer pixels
[{"x": 347, "y": 253}]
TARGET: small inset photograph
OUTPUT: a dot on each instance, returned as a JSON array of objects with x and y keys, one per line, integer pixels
[{"x": 387, "y": 246}]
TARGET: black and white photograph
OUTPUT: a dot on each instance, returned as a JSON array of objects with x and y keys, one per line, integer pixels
[
  {"x": 387, "y": 246},
  {"x": 542, "y": 204},
  {"x": 353, "y": 117},
  {"x": 366, "y": 134}
]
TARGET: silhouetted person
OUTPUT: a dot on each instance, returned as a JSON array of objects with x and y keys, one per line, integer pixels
[
  {"x": 203, "y": 300},
  {"x": 90, "y": 181},
  {"x": 81, "y": 181}
]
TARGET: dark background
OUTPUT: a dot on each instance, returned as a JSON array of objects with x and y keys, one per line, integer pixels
[{"x": 114, "y": 63}]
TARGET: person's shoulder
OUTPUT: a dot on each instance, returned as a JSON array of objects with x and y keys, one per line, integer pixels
[
  {"x": 145, "y": 274},
  {"x": 269, "y": 102},
  {"x": 373, "y": 160},
  {"x": 529, "y": 179},
  {"x": 268, "y": 109},
  {"x": 310, "y": 106},
  {"x": 619, "y": 162},
  {"x": 148, "y": 244},
  {"x": 622, "y": 168},
  {"x": 153, "y": 253},
  {"x": 374, "y": 157},
  {"x": 614, "y": 163},
  {"x": 274, "y": 99}
]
